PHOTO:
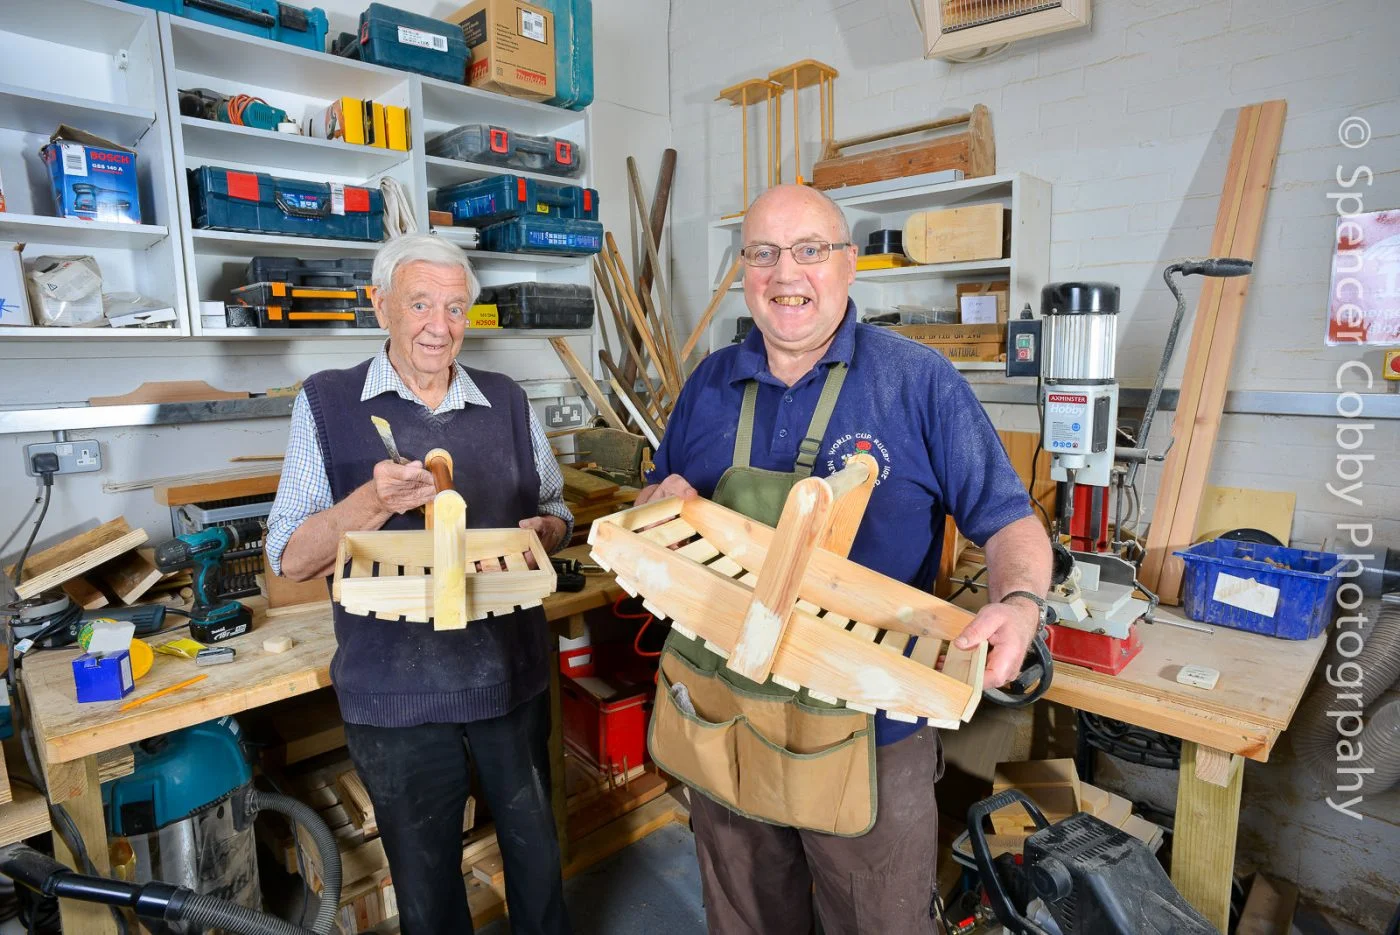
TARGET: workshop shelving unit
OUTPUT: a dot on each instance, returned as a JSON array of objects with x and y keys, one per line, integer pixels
[
  {"x": 94, "y": 65},
  {"x": 1027, "y": 266},
  {"x": 303, "y": 82}
]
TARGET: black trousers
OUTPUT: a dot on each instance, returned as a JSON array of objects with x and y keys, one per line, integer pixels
[{"x": 418, "y": 779}]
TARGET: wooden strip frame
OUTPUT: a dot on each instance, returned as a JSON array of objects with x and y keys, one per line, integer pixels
[{"x": 72, "y": 557}]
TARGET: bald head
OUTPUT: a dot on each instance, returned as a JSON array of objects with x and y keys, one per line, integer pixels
[{"x": 789, "y": 198}]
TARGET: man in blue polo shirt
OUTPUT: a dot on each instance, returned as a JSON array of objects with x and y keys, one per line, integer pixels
[{"x": 809, "y": 387}]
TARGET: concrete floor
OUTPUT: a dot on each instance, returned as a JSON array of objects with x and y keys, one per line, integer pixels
[{"x": 652, "y": 886}]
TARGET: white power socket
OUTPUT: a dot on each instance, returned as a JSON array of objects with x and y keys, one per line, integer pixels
[{"x": 78, "y": 457}]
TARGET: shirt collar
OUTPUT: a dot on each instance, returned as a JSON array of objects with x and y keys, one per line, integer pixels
[
  {"x": 383, "y": 378},
  {"x": 751, "y": 363}
]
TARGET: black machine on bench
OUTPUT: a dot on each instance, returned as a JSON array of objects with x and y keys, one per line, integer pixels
[{"x": 1079, "y": 876}]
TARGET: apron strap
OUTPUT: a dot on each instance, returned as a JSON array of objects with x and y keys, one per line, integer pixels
[{"x": 812, "y": 444}]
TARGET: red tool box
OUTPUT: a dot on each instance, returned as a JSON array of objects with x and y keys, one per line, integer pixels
[{"x": 605, "y": 721}]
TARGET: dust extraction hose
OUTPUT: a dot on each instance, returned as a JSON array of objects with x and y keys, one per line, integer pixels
[
  {"x": 206, "y": 912},
  {"x": 321, "y": 836},
  {"x": 1369, "y": 674},
  {"x": 1380, "y": 749}
]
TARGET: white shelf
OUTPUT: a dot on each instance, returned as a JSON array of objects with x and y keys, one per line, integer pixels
[
  {"x": 239, "y": 243},
  {"x": 208, "y": 142},
  {"x": 489, "y": 258},
  {"x": 244, "y": 60},
  {"x": 312, "y": 334},
  {"x": 443, "y": 172},
  {"x": 904, "y": 199},
  {"x": 49, "y": 332},
  {"x": 978, "y": 364},
  {"x": 98, "y": 25},
  {"x": 35, "y": 228},
  {"x": 32, "y": 111},
  {"x": 904, "y": 274},
  {"x": 460, "y": 104}
]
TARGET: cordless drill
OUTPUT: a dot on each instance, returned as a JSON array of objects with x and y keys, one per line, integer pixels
[{"x": 211, "y": 619}]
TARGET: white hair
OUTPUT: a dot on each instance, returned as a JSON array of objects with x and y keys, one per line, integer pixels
[{"x": 425, "y": 248}]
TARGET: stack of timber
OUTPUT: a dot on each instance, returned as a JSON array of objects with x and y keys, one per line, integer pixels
[{"x": 96, "y": 568}]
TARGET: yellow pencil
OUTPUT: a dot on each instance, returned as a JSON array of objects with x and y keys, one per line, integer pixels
[{"x": 164, "y": 691}]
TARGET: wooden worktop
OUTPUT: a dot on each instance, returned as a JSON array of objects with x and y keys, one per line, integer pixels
[{"x": 69, "y": 730}]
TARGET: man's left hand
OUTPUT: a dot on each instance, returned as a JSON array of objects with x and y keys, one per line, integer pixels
[
  {"x": 1008, "y": 629},
  {"x": 550, "y": 529}
]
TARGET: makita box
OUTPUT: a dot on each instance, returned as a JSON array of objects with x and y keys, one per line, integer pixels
[{"x": 93, "y": 179}]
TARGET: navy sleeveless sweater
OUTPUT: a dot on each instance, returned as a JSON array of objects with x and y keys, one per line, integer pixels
[{"x": 393, "y": 673}]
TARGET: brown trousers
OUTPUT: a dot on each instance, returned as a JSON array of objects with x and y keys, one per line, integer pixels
[{"x": 758, "y": 878}]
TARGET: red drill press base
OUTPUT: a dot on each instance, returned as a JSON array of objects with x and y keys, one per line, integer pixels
[{"x": 1106, "y": 654}]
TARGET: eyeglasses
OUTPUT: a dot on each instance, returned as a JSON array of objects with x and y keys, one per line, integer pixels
[{"x": 806, "y": 252}]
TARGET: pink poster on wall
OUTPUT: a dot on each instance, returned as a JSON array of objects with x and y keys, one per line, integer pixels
[{"x": 1364, "y": 305}]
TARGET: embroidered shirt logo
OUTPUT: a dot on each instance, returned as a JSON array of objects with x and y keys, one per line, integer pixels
[{"x": 853, "y": 443}]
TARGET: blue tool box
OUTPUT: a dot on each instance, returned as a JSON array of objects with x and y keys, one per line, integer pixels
[
  {"x": 1269, "y": 589},
  {"x": 573, "y": 52},
  {"x": 542, "y": 234},
  {"x": 268, "y": 19},
  {"x": 409, "y": 42},
  {"x": 499, "y": 146},
  {"x": 507, "y": 196},
  {"x": 260, "y": 203}
]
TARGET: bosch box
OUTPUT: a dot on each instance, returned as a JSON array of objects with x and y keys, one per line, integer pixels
[
  {"x": 269, "y": 19},
  {"x": 409, "y": 42},
  {"x": 544, "y": 235},
  {"x": 499, "y": 146},
  {"x": 260, "y": 203},
  {"x": 507, "y": 196},
  {"x": 93, "y": 179}
]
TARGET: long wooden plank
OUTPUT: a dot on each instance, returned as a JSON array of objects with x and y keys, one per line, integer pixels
[
  {"x": 1239, "y": 220},
  {"x": 814, "y": 654},
  {"x": 585, "y": 379},
  {"x": 196, "y": 489},
  {"x": 1203, "y": 848},
  {"x": 168, "y": 391},
  {"x": 71, "y": 558}
]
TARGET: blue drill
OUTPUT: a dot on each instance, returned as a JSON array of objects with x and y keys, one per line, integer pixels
[{"x": 211, "y": 619}]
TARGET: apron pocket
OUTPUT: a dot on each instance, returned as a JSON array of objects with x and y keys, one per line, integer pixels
[
  {"x": 827, "y": 790},
  {"x": 698, "y": 751}
]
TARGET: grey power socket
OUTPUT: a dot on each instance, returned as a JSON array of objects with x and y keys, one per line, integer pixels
[
  {"x": 77, "y": 457},
  {"x": 563, "y": 416}
]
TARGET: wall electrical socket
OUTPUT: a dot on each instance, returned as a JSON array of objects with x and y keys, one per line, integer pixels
[
  {"x": 563, "y": 416},
  {"x": 79, "y": 457}
]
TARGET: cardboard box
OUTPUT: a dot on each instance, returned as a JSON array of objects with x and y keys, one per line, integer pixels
[
  {"x": 968, "y": 343},
  {"x": 955, "y": 235},
  {"x": 14, "y": 298},
  {"x": 103, "y": 677},
  {"x": 93, "y": 179},
  {"x": 512, "y": 46},
  {"x": 1001, "y": 289}
]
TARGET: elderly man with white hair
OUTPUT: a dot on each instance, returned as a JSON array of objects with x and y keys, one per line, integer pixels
[{"x": 419, "y": 705}]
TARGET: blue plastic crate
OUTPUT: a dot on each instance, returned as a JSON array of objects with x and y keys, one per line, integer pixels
[
  {"x": 225, "y": 199},
  {"x": 506, "y": 196},
  {"x": 270, "y": 19},
  {"x": 544, "y": 235},
  {"x": 408, "y": 41},
  {"x": 1267, "y": 589}
]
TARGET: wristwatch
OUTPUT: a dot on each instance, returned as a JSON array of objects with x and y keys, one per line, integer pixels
[{"x": 1041, "y": 609}]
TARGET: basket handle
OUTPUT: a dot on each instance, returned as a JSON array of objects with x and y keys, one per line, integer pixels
[{"x": 439, "y": 464}]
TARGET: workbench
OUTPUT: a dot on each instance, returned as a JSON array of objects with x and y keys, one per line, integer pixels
[
  {"x": 1262, "y": 680},
  {"x": 69, "y": 736}
]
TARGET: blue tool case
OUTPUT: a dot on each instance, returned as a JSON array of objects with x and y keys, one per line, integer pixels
[
  {"x": 573, "y": 52},
  {"x": 269, "y": 19},
  {"x": 225, "y": 199},
  {"x": 408, "y": 41},
  {"x": 542, "y": 234},
  {"x": 499, "y": 146},
  {"x": 507, "y": 196}
]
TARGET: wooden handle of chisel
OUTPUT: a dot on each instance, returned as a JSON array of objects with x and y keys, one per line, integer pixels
[{"x": 439, "y": 464}]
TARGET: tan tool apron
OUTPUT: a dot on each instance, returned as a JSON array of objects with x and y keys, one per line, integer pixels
[{"x": 762, "y": 750}]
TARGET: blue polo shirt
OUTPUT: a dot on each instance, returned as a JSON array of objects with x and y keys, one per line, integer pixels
[{"x": 902, "y": 403}]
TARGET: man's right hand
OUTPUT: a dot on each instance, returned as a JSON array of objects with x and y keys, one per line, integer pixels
[
  {"x": 673, "y": 486},
  {"x": 402, "y": 487}
]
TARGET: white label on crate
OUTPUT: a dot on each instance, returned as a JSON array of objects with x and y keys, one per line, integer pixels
[
  {"x": 74, "y": 159},
  {"x": 1246, "y": 594},
  {"x": 423, "y": 40},
  {"x": 532, "y": 26},
  {"x": 338, "y": 198}
]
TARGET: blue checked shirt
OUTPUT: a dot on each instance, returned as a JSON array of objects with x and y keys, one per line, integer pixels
[{"x": 305, "y": 489}]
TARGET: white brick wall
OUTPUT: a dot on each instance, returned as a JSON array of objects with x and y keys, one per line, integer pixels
[{"x": 1131, "y": 122}]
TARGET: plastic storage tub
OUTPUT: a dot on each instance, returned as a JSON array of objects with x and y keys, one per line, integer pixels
[
  {"x": 573, "y": 52},
  {"x": 507, "y": 196},
  {"x": 499, "y": 146},
  {"x": 544, "y": 235},
  {"x": 541, "y": 304},
  {"x": 1267, "y": 589},
  {"x": 341, "y": 273},
  {"x": 269, "y": 19},
  {"x": 408, "y": 41},
  {"x": 260, "y": 203}
]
